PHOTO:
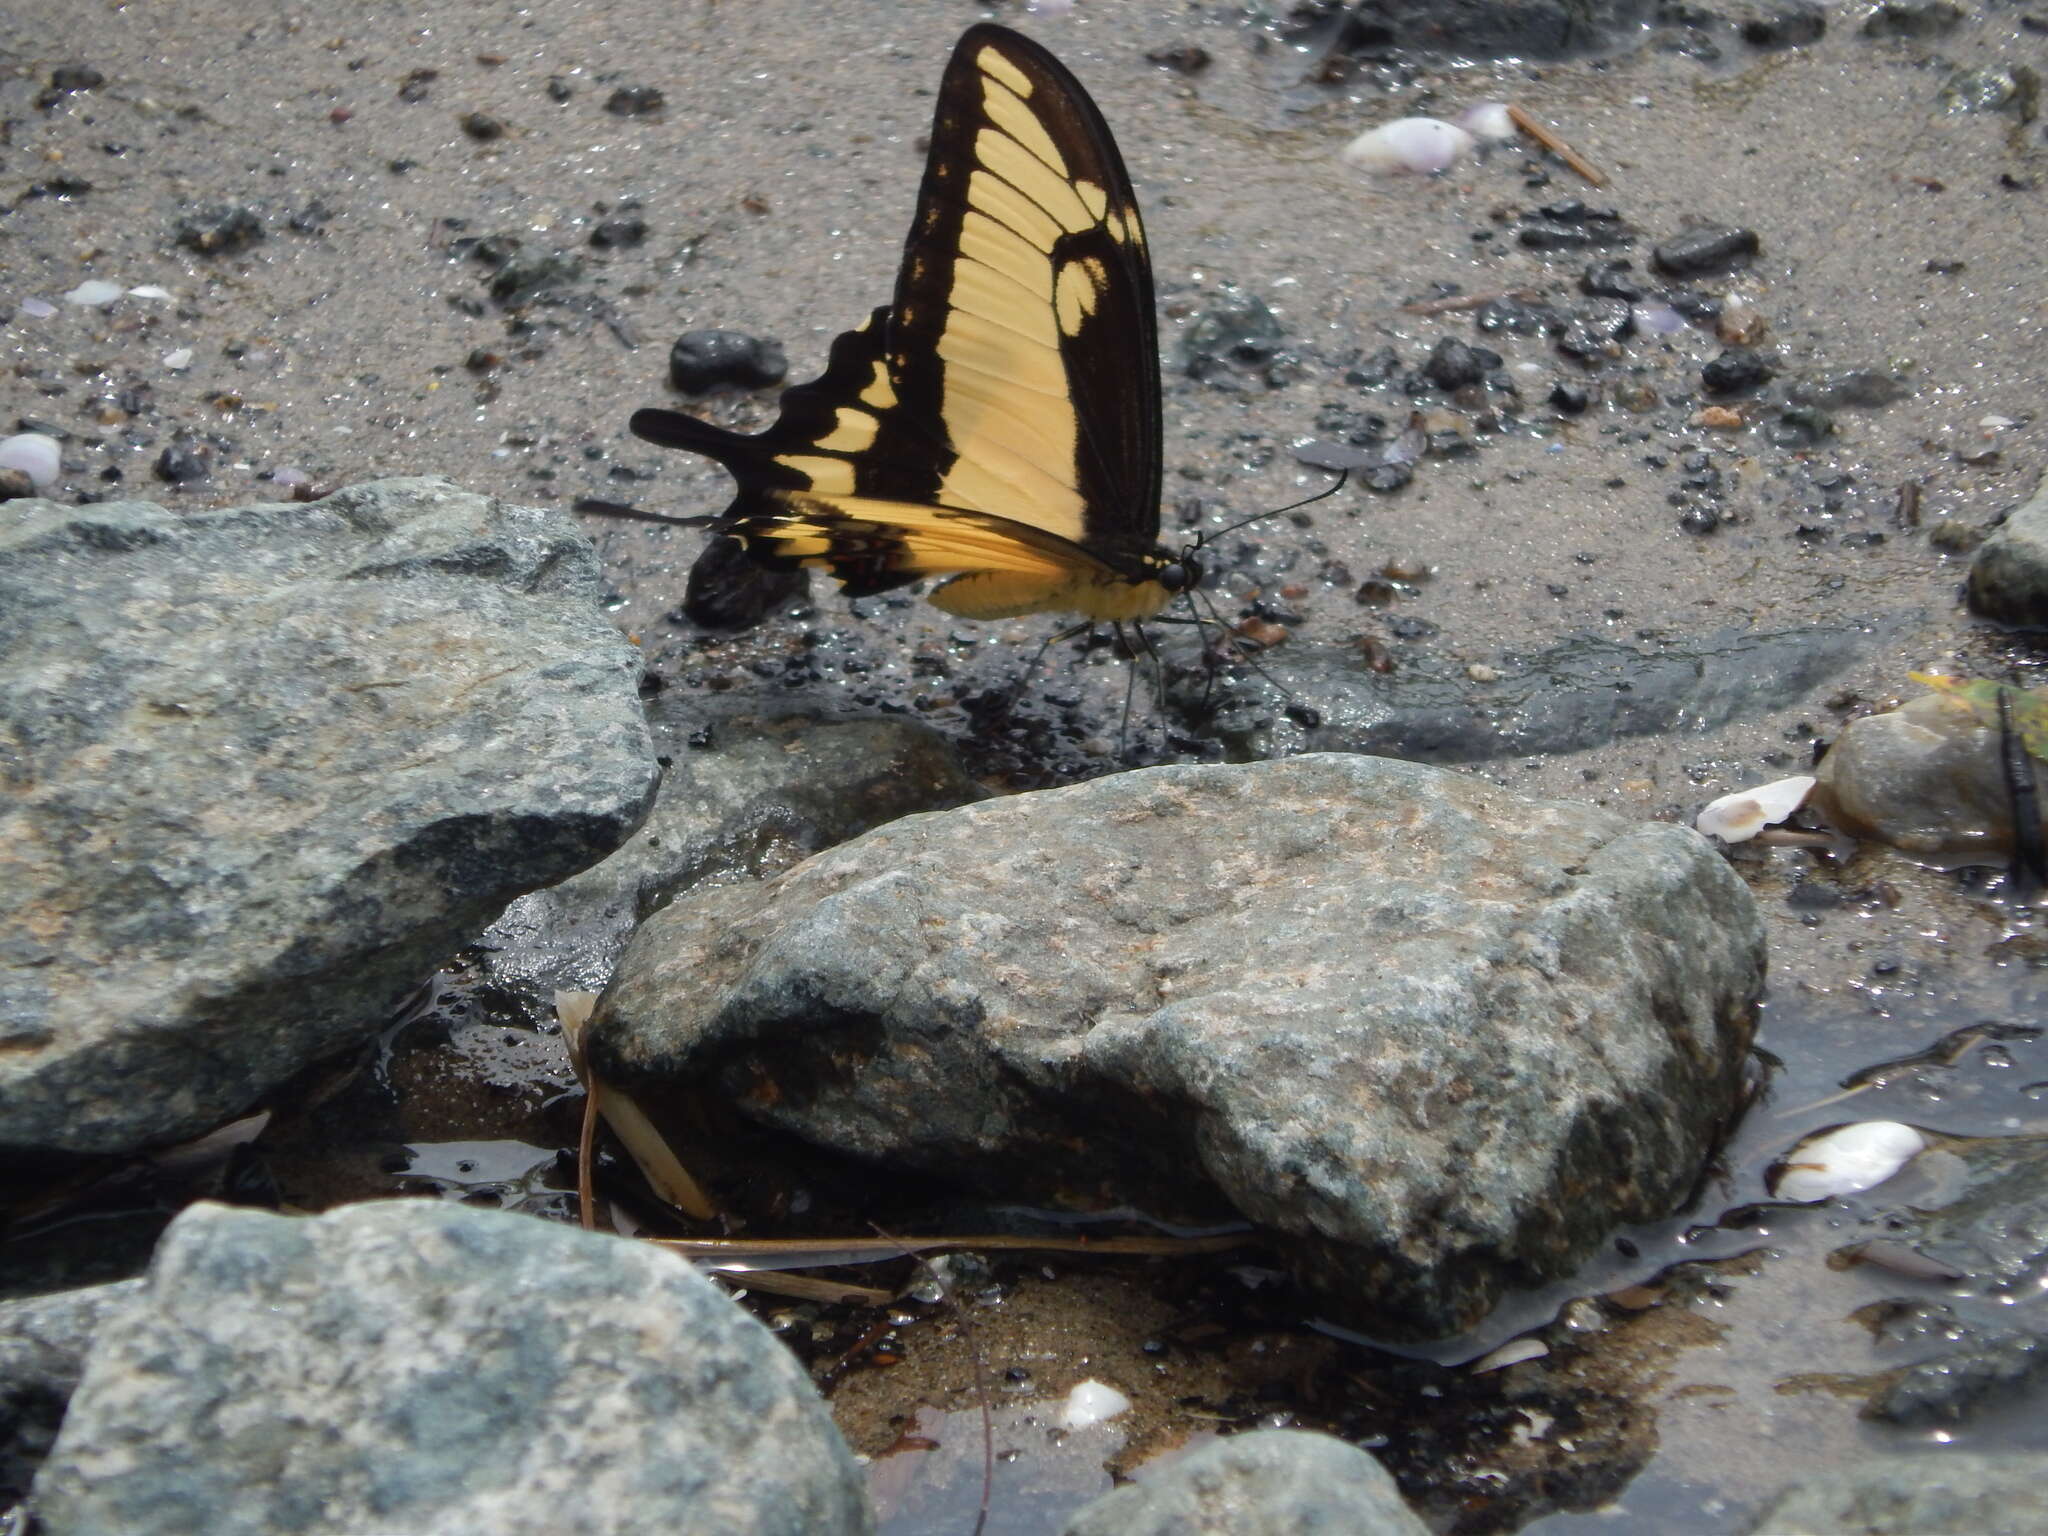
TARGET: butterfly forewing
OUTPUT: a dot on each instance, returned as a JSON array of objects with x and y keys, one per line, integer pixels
[{"x": 1000, "y": 421}]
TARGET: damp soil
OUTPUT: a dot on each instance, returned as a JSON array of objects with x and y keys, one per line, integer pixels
[{"x": 1696, "y": 1366}]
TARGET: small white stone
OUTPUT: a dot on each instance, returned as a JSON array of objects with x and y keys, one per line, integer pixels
[
  {"x": 1738, "y": 817},
  {"x": 149, "y": 291},
  {"x": 1092, "y": 1402},
  {"x": 178, "y": 360},
  {"x": 1657, "y": 319},
  {"x": 94, "y": 294},
  {"x": 35, "y": 455},
  {"x": 1514, "y": 1352},
  {"x": 1418, "y": 145},
  {"x": 1845, "y": 1160},
  {"x": 1488, "y": 122},
  {"x": 38, "y": 309}
]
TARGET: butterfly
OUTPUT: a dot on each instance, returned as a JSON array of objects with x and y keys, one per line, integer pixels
[{"x": 997, "y": 423}]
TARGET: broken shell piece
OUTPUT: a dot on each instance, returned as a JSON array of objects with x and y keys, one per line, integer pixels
[
  {"x": 1738, "y": 817},
  {"x": 1514, "y": 1352},
  {"x": 1092, "y": 1402},
  {"x": 93, "y": 293},
  {"x": 36, "y": 455},
  {"x": 1846, "y": 1160},
  {"x": 1490, "y": 122},
  {"x": 1420, "y": 146}
]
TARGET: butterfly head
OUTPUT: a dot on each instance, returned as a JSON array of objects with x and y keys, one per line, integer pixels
[{"x": 1182, "y": 572}]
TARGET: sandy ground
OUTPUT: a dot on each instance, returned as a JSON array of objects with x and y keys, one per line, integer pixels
[{"x": 777, "y": 182}]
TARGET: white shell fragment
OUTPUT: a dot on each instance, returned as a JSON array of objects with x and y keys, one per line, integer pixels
[
  {"x": 180, "y": 359},
  {"x": 1514, "y": 1352},
  {"x": 38, "y": 309},
  {"x": 1846, "y": 1160},
  {"x": 35, "y": 455},
  {"x": 94, "y": 294},
  {"x": 1488, "y": 122},
  {"x": 149, "y": 291},
  {"x": 1092, "y": 1402},
  {"x": 1420, "y": 146},
  {"x": 1738, "y": 817}
]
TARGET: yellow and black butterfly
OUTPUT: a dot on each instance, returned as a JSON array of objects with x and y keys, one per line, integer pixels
[{"x": 998, "y": 422}]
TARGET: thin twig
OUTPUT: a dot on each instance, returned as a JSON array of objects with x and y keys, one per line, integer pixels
[
  {"x": 1557, "y": 146},
  {"x": 739, "y": 1248},
  {"x": 1454, "y": 302}
]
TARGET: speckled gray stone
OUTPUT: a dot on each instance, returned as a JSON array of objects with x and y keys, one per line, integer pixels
[
  {"x": 1273, "y": 1482},
  {"x": 43, "y": 1344},
  {"x": 1938, "y": 1493},
  {"x": 1439, "y": 1038},
  {"x": 2009, "y": 574},
  {"x": 419, "y": 1367},
  {"x": 262, "y": 768}
]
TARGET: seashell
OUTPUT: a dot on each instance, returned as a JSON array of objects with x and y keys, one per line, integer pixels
[
  {"x": 1420, "y": 146},
  {"x": 94, "y": 294},
  {"x": 1488, "y": 122},
  {"x": 35, "y": 455},
  {"x": 1738, "y": 817},
  {"x": 1092, "y": 1402},
  {"x": 1846, "y": 1160}
]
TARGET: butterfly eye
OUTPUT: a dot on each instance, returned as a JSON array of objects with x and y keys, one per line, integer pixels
[{"x": 1181, "y": 575}]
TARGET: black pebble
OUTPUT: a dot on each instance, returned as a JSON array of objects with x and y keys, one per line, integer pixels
[
  {"x": 1572, "y": 399},
  {"x": 215, "y": 231},
  {"x": 483, "y": 127},
  {"x": 705, "y": 360},
  {"x": 1611, "y": 280},
  {"x": 1594, "y": 326},
  {"x": 182, "y": 463},
  {"x": 635, "y": 101},
  {"x": 559, "y": 89},
  {"x": 1784, "y": 24},
  {"x": 1387, "y": 478},
  {"x": 1712, "y": 249},
  {"x": 1701, "y": 520},
  {"x": 65, "y": 79},
  {"x": 1183, "y": 58},
  {"x": 1735, "y": 370},
  {"x": 618, "y": 233},
  {"x": 1452, "y": 364}
]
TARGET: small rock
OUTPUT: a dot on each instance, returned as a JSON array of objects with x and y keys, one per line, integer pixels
[
  {"x": 1719, "y": 418},
  {"x": 1270, "y": 1482},
  {"x": 1740, "y": 324},
  {"x": 15, "y": 484},
  {"x": 1569, "y": 225},
  {"x": 1913, "y": 18},
  {"x": 220, "y": 230},
  {"x": 1699, "y": 520},
  {"x": 1594, "y": 328},
  {"x": 1572, "y": 399},
  {"x": 1182, "y": 58},
  {"x": 1709, "y": 249},
  {"x": 701, "y": 361},
  {"x": 1734, "y": 371},
  {"x": 1452, "y": 364},
  {"x": 635, "y": 101},
  {"x": 183, "y": 462},
  {"x": 559, "y": 89},
  {"x": 1236, "y": 333},
  {"x": 1801, "y": 426},
  {"x": 1611, "y": 280},
  {"x": 2009, "y": 577},
  {"x": 43, "y": 1344},
  {"x": 527, "y": 275},
  {"x": 1865, "y": 388},
  {"x": 482, "y": 127},
  {"x": 619, "y": 233},
  {"x": 2016, "y": 90},
  {"x": 1924, "y": 778},
  {"x": 65, "y": 80},
  {"x": 1387, "y": 478},
  {"x": 1782, "y": 23}
]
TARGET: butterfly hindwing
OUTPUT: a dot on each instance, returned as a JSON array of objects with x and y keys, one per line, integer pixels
[{"x": 999, "y": 422}]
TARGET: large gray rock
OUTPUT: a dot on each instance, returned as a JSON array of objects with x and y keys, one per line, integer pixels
[
  {"x": 1275, "y": 1482},
  {"x": 1439, "y": 1037},
  {"x": 2009, "y": 576},
  {"x": 428, "y": 1368},
  {"x": 264, "y": 768},
  {"x": 43, "y": 1344},
  {"x": 1945, "y": 1493}
]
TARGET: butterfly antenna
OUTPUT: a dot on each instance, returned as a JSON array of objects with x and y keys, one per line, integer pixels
[
  {"x": 1258, "y": 517},
  {"x": 597, "y": 507}
]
